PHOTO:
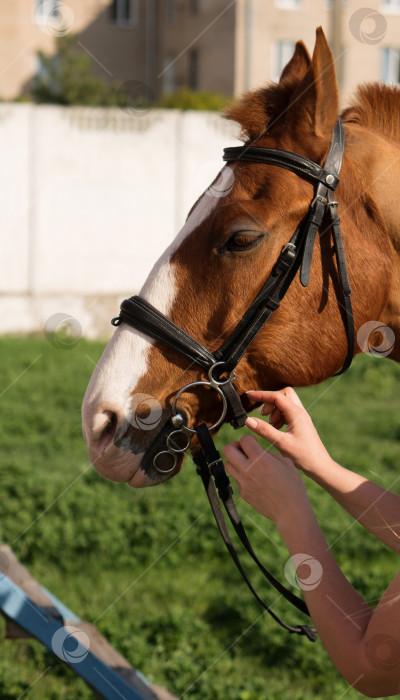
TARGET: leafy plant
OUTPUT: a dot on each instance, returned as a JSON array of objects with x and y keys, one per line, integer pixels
[
  {"x": 188, "y": 99},
  {"x": 67, "y": 79}
]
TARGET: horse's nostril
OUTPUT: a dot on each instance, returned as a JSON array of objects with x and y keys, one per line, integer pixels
[
  {"x": 106, "y": 426},
  {"x": 111, "y": 424}
]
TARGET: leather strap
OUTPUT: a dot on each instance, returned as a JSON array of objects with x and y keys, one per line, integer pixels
[
  {"x": 334, "y": 159},
  {"x": 347, "y": 314},
  {"x": 323, "y": 198},
  {"x": 300, "y": 165},
  {"x": 137, "y": 312},
  {"x": 265, "y": 303},
  {"x": 146, "y": 318},
  {"x": 327, "y": 175},
  {"x": 209, "y": 464},
  {"x": 313, "y": 224},
  {"x": 238, "y": 415}
]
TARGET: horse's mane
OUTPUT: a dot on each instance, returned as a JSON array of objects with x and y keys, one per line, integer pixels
[{"x": 375, "y": 107}]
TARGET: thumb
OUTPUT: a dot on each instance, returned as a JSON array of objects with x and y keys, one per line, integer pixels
[{"x": 266, "y": 431}]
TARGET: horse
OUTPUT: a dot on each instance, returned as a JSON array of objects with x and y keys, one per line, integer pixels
[{"x": 219, "y": 261}]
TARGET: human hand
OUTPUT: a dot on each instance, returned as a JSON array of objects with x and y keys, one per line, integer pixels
[
  {"x": 300, "y": 442},
  {"x": 269, "y": 482}
]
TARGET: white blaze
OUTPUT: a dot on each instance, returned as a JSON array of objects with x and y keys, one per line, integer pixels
[{"x": 124, "y": 360}]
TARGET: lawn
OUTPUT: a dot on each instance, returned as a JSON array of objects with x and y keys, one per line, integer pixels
[{"x": 148, "y": 567}]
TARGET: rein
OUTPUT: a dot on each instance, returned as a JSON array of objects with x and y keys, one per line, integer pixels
[{"x": 220, "y": 365}]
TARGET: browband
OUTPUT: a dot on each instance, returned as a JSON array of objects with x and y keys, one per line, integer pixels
[{"x": 300, "y": 165}]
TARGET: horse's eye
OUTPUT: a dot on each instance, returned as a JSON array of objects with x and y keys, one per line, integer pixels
[{"x": 242, "y": 240}]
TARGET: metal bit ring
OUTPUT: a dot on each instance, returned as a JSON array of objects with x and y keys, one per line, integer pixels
[
  {"x": 177, "y": 450},
  {"x": 220, "y": 382},
  {"x": 169, "y": 453},
  {"x": 212, "y": 386}
]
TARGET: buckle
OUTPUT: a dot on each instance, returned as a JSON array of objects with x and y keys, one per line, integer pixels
[
  {"x": 319, "y": 198},
  {"x": 288, "y": 246},
  {"x": 288, "y": 254}
]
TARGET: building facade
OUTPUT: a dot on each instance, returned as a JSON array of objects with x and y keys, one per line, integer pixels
[
  {"x": 111, "y": 33},
  {"x": 224, "y": 46},
  {"x": 235, "y": 46}
]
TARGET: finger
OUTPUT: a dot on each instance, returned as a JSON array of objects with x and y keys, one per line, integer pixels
[
  {"x": 288, "y": 403},
  {"x": 266, "y": 431},
  {"x": 257, "y": 396},
  {"x": 250, "y": 446},
  {"x": 231, "y": 469},
  {"x": 267, "y": 408},
  {"x": 261, "y": 394},
  {"x": 234, "y": 454},
  {"x": 271, "y": 398},
  {"x": 269, "y": 403},
  {"x": 234, "y": 443},
  {"x": 277, "y": 419}
]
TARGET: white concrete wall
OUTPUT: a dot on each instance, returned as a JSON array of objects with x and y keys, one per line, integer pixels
[{"x": 89, "y": 199}]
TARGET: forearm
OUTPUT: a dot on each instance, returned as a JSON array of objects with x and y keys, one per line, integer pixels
[
  {"x": 377, "y": 509},
  {"x": 363, "y": 644},
  {"x": 338, "y": 612}
]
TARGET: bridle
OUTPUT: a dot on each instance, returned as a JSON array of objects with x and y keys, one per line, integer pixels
[{"x": 296, "y": 254}]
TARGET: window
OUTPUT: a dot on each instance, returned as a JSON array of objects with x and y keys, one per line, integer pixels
[
  {"x": 282, "y": 52},
  {"x": 125, "y": 12},
  {"x": 193, "y": 70},
  {"x": 329, "y": 4},
  {"x": 169, "y": 85},
  {"x": 391, "y": 6},
  {"x": 288, "y": 4},
  {"x": 46, "y": 9},
  {"x": 391, "y": 66}
]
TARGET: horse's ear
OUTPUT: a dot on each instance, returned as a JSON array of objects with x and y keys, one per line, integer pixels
[
  {"x": 298, "y": 65},
  {"x": 315, "y": 102}
]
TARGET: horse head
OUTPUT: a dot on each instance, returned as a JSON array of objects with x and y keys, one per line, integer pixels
[{"x": 210, "y": 274}]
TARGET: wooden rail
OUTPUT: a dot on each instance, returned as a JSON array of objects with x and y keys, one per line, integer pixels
[{"x": 32, "y": 611}]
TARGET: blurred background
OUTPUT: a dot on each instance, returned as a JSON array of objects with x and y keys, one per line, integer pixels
[{"x": 109, "y": 129}]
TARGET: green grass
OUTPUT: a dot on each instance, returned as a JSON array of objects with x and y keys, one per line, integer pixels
[{"x": 148, "y": 566}]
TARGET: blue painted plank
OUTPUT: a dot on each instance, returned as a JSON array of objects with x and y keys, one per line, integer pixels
[{"x": 75, "y": 653}]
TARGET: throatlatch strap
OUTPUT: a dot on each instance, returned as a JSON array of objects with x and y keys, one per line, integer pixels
[
  {"x": 209, "y": 464},
  {"x": 323, "y": 198},
  {"x": 347, "y": 315}
]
